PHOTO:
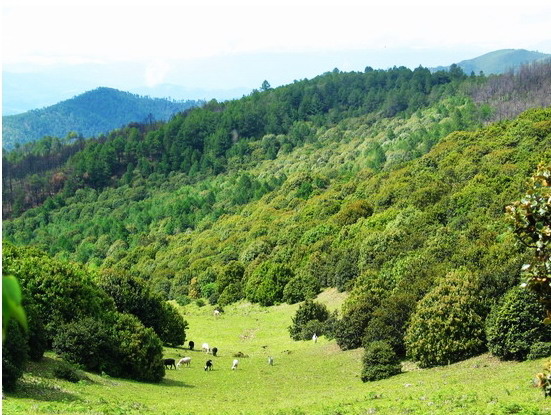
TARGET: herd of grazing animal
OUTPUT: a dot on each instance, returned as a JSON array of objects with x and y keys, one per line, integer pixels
[{"x": 209, "y": 364}]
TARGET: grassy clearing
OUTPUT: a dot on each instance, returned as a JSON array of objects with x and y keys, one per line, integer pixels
[{"x": 307, "y": 378}]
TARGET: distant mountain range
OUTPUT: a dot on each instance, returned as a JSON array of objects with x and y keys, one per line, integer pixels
[
  {"x": 90, "y": 114},
  {"x": 499, "y": 61},
  {"x": 104, "y": 109}
]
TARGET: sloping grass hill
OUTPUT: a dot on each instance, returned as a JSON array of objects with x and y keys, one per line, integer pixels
[{"x": 306, "y": 378}]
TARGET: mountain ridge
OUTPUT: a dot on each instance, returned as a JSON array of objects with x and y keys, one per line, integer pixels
[{"x": 91, "y": 113}]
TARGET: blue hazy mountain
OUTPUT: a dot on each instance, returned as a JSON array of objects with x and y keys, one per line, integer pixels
[{"x": 89, "y": 114}]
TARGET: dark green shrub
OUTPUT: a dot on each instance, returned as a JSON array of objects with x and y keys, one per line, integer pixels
[
  {"x": 14, "y": 355},
  {"x": 38, "y": 341},
  {"x": 447, "y": 325},
  {"x": 66, "y": 371},
  {"x": 515, "y": 324},
  {"x": 379, "y": 362},
  {"x": 350, "y": 329},
  {"x": 138, "y": 353},
  {"x": 353, "y": 211},
  {"x": 309, "y": 311},
  {"x": 312, "y": 327},
  {"x": 539, "y": 350},
  {"x": 232, "y": 293},
  {"x": 388, "y": 322},
  {"x": 87, "y": 342},
  {"x": 132, "y": 295},
  {"x": 266, "y": 283},
  {"x": 331, "y": 325},
  {"x": 300, "y": 288},
  {"x": 60, "y": 292},
  {"x": 183, "y": 300},
  {"x": 173, "y": 329}
]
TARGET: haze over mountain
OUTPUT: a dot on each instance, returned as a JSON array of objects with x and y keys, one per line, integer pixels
[
  {"x": 89, "y": 114},
  {"x": 27, "y": 87},
  {"x": 499, "y": 61}
]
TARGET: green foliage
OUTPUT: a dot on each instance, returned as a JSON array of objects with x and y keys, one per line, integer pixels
[
  {"x": 351, "y": 212},
  {"x": 66, "y": 371},
  {"x": 301, "y": 287},
  {"x": 61, "y": 292},
  {"x": 309, "y": 317},
  {"x": 14, "y": 355},
  {"x": 447, "y": 325},
  {"x": 267, "y": 282},
  {"x": 389, "y": 321},
  {"x": 531, "y": 221},
  {"x": 11, "y": 303},
  {"x": 38, "y": 341},
  {"x": 132, "y": 295},
  {"x": 350, "y": 329},
  {"x": 87, "y": 342},
  {"x": 515, "y": 324},
  {"x": 539, "y": 350},
  {"x": 379, "y": 361},
  {"x": 138, "y": 350}
]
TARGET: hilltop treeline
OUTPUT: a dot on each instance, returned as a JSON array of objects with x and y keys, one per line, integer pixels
[
  {"x": 89, "y": 114},
  {"x": 222, "y": 136}
]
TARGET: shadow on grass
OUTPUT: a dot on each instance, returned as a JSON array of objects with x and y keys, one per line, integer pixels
[
  {"x": 40, "y": 390},
  {"x": 172, "y": 382}
]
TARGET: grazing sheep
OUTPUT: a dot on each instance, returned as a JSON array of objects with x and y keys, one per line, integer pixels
[
  {"x": 315, "y": 338},
  {"x": 271, "y": 361},
  {"x": 208, "y": 365},
  {"x": 543, "y": 381},
  {"x": 205, "y": 347},
  {"x": 169, "y": 363},
  {"x": 234, "y": 365},
  {"x": 191, "y": 344},
  {"x": 184, "y": 361},
  {"x": 216, "y": 313},
  {"x": 214, "y": 351}
]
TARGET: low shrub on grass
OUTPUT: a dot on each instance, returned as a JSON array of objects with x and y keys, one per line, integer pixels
[
  {"x": 539, "y": 350},
  {"x": 68, "y": 372},
  {"x": 379, "y": 362}
]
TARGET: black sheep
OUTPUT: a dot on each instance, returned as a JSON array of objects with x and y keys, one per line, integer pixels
[
  {"x": 191, "y": 345},
  {"x": 214, "y": 351},
  {"x": 208, "y": 365}
]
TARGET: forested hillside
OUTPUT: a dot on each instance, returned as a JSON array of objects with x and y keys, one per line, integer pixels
[
  {"x": 89, "y": 114},
  {"x": 390, "y": 185}
]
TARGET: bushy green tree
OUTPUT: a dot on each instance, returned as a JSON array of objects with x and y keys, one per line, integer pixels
[
  {"x": 267, "y": 282},
  {"x": 309, "y": 311},
  {"x": 132, "y": 295},
  {"x": 515, "y": 324},
  {"x": 379, "y": 361},
  {"x": 447, "y": 325},
  {"x": 138, "y": 352},
  {"x": 388, "y": 322},
  {"x": 350, "y": 329},
  {"x": 300, "y": 288},
  {"x": 87, "y": 342}
]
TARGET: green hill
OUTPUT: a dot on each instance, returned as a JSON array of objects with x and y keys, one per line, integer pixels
[
  {"x": 500, "y": 61},
  {"x": 89, "y": 114},
  {"x": 387, "y": 185}
]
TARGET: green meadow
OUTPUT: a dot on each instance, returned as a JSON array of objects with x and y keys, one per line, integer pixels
[{"x": 306, "y": 378}]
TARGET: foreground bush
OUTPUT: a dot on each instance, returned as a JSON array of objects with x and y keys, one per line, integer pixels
[
  {"x": 515, "y": 324},
  {"x": 379, "y": 362}
]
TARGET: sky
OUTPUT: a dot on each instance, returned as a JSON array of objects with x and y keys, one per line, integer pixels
[{"x": 216, "y": 44}]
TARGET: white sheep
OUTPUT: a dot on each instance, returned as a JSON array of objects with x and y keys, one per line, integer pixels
[{"x": 234, "y": 365}]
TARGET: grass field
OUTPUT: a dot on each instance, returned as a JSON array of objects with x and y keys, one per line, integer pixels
[{"x": 307, "y": 378}]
